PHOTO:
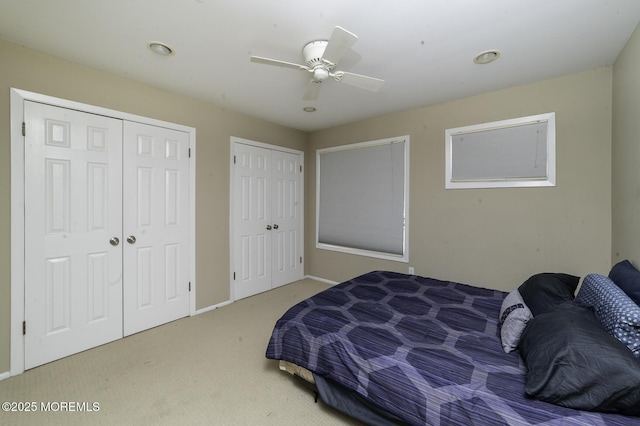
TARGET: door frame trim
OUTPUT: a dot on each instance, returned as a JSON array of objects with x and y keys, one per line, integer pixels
[
  {"x": 18, "y": 97},
  {"x": 236, "y": 140}
]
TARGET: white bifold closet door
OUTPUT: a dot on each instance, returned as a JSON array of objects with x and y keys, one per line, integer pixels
[
  {"x": 85, "y": 284},
  {"x": 268, "y": 223}
]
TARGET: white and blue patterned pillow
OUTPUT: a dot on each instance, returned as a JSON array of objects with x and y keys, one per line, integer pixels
[
  {"x": 619, "y": 315},
  {"x": 514, "y": 316}
]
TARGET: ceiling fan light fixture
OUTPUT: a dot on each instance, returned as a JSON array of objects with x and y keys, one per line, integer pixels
[
  {"x": 320, "y": 74},
  {"x": 486, "y": 57},
  {"x": 160, "y": 48}
]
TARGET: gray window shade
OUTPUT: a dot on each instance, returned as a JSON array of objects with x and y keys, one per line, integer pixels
[
  {"x": 361, "y": 197},
  {"x": 517, "y": 152}
]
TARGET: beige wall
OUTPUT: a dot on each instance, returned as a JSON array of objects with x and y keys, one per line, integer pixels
[
  {"x": 490, "y": 237},
  {"x": 36, "y": 72},
  {"x": 493, "y": 237},
  {"x": 626, "y": 154}
]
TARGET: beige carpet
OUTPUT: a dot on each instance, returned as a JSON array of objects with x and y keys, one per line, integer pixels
[{"x": 209, "y": 369}]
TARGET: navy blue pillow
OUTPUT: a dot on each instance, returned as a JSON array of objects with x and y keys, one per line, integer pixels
[
  {"x": 541, "y": 292},
  {"x": 627, "y": 277},
  {"x": 571, "y": 361}
]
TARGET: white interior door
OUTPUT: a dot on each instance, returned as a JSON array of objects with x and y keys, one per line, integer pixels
[
  {"x": 156, "y": 226},
  {"x": 267, "y": 205},
  {"x": 73, "y": 275}
]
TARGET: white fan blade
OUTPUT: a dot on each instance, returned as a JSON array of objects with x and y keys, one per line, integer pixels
[
  {"x": 313, "y": 90},
  {"x": 341, "y": 40},
  {"x": 362, "y": 81},
  {"x": 267, "y": 61}
]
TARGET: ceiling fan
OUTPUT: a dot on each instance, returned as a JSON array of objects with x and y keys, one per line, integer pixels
[{"x": 321, "y": 58}]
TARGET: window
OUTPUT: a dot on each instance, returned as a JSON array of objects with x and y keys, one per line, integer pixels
[
  {"x": 509, "y": 153},
  {"x": 362, "y": 198}
]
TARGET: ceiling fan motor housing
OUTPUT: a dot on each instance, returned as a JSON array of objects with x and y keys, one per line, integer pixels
[{"x": 312, "y": 53}]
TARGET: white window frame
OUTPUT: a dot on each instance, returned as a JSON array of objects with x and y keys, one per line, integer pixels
[
  {"x": 501, "y": 182},
  {"x": 404, "y": 257}
]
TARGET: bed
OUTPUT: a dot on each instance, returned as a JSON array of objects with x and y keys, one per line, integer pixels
[{"x": 390, "y": 348}]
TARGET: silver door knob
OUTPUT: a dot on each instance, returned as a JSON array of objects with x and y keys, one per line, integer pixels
[
  {"x": 268, "y": 227},
  {"x": 131, "y": 239},
  {"x": 275, "y": 226},
  {"x": 114, "y": 241}
]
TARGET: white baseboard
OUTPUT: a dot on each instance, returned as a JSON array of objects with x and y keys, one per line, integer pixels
[
  {"x": 228, "y": 302},
  {"x": 322, "y": 280},
  {"x": 212, "y": 307},
  {"x": 5, "y": 375}
]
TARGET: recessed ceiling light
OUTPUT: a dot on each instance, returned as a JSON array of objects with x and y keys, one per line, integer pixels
[
  {"x": 486, "y": 57},
  {"x": 160, "y": 48},
  {"x": 309, "y": 109}
]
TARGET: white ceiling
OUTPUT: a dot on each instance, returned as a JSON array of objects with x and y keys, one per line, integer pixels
[{"x": 423, "y": 49}]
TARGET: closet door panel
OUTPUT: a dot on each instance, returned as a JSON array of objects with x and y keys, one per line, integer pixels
[
  {"x": 73, "y": 209},
  {"x": 156, "y": 225},
  {"x": 287, "y": 210},
  {"x": 252, "y": 222}
]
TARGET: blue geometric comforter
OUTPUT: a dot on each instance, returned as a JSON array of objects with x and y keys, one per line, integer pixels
[{"x": 425, "y": 350}]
